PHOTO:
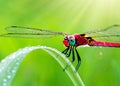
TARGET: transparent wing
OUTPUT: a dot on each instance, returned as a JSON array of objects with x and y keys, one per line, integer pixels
[
  {"x": 18, "y": 31},
  {"x": 111, "y": 33}
]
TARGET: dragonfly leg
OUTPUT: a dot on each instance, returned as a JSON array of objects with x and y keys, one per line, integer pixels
[
  {"x": 79, "y": 60},
  {"x": 68, "y": 54},
  {"x": 73, "y": 55},
  {"x": 66, "y": 50}
]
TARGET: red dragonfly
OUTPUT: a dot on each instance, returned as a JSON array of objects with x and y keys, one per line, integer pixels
[{"x": 110, "y": 37}]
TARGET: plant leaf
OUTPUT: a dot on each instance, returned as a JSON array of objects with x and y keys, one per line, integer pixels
[{"x": 9, "y": 65}]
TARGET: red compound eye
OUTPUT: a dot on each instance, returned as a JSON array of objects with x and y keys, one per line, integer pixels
[{"x": 65, "y": 42}]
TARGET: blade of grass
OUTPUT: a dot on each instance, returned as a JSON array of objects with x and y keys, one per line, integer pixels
[{"x": 9, "y": 65}]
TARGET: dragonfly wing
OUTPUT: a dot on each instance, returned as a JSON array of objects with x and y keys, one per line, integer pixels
[
  {"x": 111, "y": 33},
  {"x": 18, "y": 31}
]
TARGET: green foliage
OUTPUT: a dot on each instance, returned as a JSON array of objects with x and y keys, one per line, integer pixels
[{"x": 99, "y": 66}]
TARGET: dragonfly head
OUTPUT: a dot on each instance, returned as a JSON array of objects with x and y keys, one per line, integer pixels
[{"x": 69, "y": 40}]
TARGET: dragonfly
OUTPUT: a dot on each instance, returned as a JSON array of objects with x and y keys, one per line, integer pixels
[{"x": 106, "y": 37}]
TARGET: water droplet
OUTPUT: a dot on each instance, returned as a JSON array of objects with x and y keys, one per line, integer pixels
[
  {"x": 13, "y": 71},
  {"x": 3, "y": 61},
  {"x": 8, "y": 76},
  {"x": 18, "y": 53},
  {"x": 100, "y": 53},
  {"x": 101, "y": 47},
  {"x": 12, "y": 56},
  {"x": 4, "y": 80},
  {"x": 15, "y": 68},
  {"x": 30, "y": 48},
  {"x": 0, "y": 70},
  {"x": 4, "y": 84},
  {"x": 17, "y": 63}
]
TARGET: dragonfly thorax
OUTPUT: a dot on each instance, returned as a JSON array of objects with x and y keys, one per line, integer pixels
[{"x": 75, "y": 40}]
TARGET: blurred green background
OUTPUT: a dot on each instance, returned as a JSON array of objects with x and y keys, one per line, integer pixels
[{"x": 100, "y": 66}]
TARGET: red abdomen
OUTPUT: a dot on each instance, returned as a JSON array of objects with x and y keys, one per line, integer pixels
[{"x": 105, "y": 44}]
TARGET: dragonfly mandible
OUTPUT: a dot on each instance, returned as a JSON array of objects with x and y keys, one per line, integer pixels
[{"x": 110, "y": 37}]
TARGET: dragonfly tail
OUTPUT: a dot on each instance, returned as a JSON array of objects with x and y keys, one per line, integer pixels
[{"x": 105, "y": 44}]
